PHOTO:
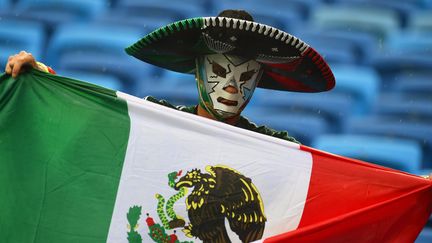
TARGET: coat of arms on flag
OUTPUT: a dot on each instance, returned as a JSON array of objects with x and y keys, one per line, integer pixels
[{"x": 220, "y": 194}]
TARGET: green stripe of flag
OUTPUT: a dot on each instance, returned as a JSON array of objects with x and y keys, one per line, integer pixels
[{"x": 62, "y": 146}]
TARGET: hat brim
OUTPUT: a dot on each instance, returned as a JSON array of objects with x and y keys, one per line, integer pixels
[{"x": 289, "y": 63}]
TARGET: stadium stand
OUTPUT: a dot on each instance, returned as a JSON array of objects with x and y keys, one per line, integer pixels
[
  {"x": 104, "y": 80},
  {"x": 395, "y": 128},
  {"x": 425, "y": 236},
  {"x": 17, "y": 35},
  {"x": 420, "y": 21},
  {"x": 376, "y": 149},
  {"x": 55, "y": 12},
  {"x": 414, "y": 85},
  {"x": 4, "y": 4},
  {"x": 334, "y": 108},
  {"x": 378, "y": 22},
  {"x": 363, "y": 86},
  {"x": 406, "y": 108}
]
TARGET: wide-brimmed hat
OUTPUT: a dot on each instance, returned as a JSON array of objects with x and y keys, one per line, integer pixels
[{"x": 289, "y": 63}]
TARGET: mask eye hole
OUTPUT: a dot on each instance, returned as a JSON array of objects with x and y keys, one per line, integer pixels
[
  {"x": 247, "y": 75},
  {"x": 218, "y": 70}
]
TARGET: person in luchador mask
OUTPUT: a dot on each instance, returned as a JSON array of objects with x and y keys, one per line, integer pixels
[{"x": 230, "y": 55}]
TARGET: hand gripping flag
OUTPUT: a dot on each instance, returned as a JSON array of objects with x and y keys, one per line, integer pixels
[{"x": 80, "y": 163}]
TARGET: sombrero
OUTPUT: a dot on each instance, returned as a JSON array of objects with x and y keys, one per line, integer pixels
[{"x": 289, "y": 63}]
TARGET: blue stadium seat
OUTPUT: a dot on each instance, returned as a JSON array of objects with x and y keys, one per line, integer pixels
[
  {"x": 123, "y": 20},
  {"x": 395, "y": 128},
  {"x": 166, "y": 86},
  {"x": 53, "y": 12},
  {"x": 391, "y": 64},
  {"x": 362, "y": 43},
  {"x": 421, "y": 21},
  {"x": 104, "y": 80},
  {"x": 4, "y": 4},
  {"x": 333, "y": 49},
  {"x": 425, "y": 236},
  {"x": 404, "y": 107},
  {"x": 127, "y": 69},
  {"x": 410, "y": 43},
  {"x": 335, "y": 108},
  {"x": 183, "y": 95},
  {"x": 154, "y": 9},
  {"x": 303, "y": 127},
  {"x": 280, "y": 14},
  {"x": 360, "y": 82},
  {"x": 402, "y": 8},
  {"x": 401, "y": 154},
  {"x": 275, "y": 7},
  {"x": 379, "y": 22},
  {"x": 85, "y": 39},
  {"x": 414, "y": 85},
  {"x": 16, "y": 36},
  {"x": 171, "y": 79}
]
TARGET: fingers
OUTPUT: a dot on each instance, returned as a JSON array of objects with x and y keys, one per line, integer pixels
[
  {"x": 9, "y": 64},
  {"x": 16, "y": 63},
  {"x": 16, "y": 69}
]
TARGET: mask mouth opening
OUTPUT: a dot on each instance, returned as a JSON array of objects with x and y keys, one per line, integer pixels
[{"x": 227, "y": 102}]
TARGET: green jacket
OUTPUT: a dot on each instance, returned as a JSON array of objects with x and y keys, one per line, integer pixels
[{"x": 242, "y": 123}]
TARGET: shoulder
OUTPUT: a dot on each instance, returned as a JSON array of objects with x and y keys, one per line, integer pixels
[{"x": 246, "y": 124}]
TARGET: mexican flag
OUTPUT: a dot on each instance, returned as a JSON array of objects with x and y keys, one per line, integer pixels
[{"x": 81, "y": 163}]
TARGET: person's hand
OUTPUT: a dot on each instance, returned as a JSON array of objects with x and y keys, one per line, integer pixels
[{"x": 19, "y": 62}]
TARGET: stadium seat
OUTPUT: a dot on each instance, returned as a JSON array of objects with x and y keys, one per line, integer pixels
[
  {"x": 404, "y": 107},
  {"x": 54, "y": 12},
  {"x": 85, "y": 39},
  {"x": 171, "y": 86},
  {"x": 333, "y": 49},
  {"x": 122, "y": 20},
  {"x": 379, "y": 22},
  {"x": 375, "y": 149},
  {"x": 16, "y": 35},
  {"x": 425, "y": 236},
  {"x": 402, "y": 8},
  {"x": 154, "y": 9},
  {"x": 421, "y": 21},
  {"x": 104, "y": 80},
  {"x": 363, "y": 43},
  {"x": 152, "y": 14},
  {"x": 127, "y": 69},
  {"x": 334, "y": 108},
  {"x": 391, "y": 64},
  {"x": 361, "y": 83},
  {"x": 280, "y": 14},
  {"x": 4, "y": 4},
  {"x": 414, "y": 85},
  {"x": 410, "y": 43},
  {"x": 275, "y": 7},
  {"x": 172, "y": 79},
  {"x": 395, "y": 128},
  {"x": 303, "y": 127},
  {"x": 183, "y": 95}
]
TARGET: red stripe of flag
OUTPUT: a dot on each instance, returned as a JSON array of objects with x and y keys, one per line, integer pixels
[{"x": 354, "y": 201}]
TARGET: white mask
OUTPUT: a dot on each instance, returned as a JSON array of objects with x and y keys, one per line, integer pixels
[{"x": 226, "y": 83}]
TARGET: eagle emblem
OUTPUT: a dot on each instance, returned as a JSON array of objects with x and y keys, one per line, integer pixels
[{"x": 222, "y": 194}]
